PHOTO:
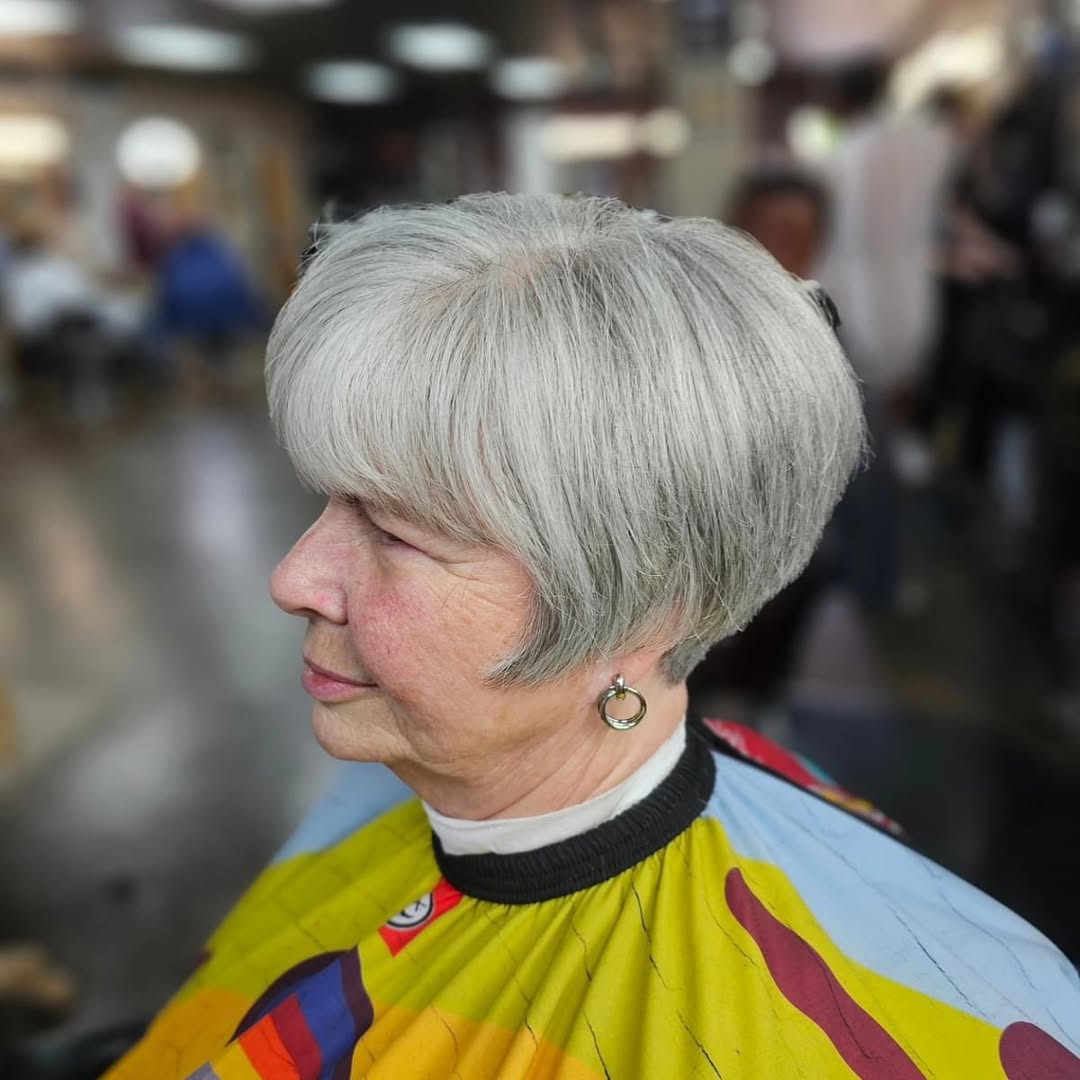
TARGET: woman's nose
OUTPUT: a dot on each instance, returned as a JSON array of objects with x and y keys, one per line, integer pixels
[{"x": 307, "y": 582}]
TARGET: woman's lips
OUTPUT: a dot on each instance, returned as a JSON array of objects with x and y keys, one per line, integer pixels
[{"x": 325, "y": 685}]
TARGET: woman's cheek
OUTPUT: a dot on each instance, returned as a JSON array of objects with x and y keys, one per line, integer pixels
[{"x": 390, "y": 631}]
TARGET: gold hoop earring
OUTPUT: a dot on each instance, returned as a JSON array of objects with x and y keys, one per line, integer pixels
[{"x": 619, "y": 690}]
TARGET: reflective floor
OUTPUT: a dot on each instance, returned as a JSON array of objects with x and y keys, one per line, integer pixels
[
  {"x": 163, "y": 750},
  {"x": 164, "y": 733}
]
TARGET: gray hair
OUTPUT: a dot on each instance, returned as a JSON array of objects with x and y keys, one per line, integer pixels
[{"x": 651, "y": 415}]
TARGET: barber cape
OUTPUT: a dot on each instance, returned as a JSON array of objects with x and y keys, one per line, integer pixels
[{"x": 747, "y": 920}]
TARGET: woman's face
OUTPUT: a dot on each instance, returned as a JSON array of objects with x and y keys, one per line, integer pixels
[{"x": 409, "y": 622}]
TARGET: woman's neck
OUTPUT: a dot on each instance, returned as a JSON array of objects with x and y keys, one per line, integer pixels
[
  {"x": 503, "y": 836},
  {"x": 562, "y": 766}
]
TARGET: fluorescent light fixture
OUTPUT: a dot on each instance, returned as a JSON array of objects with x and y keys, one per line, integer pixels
[
  {"x": 811, "y": 133},
  {"x": 440, "y": 46},
  {"x": 271, "y": 7},
  {"x": 352, "y": 82},
  {"x": 29, "y": 143},
  {"x": 664, "y": 132},
  {"x": 609, "y": 136},
  {"x": 752, "y": 61},
  {"x": 34, "y": 18},
  {"x": 158, "y": 152},
  {"x": 590, "y": 137},
  {"x": 184, "y": 48},
  {"x": 529, "y": 78}
]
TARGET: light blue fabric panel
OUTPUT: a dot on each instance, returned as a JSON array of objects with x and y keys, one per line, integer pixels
[
  {"x": 895, "y": 911},
  {"x": 359, "y": 793}
]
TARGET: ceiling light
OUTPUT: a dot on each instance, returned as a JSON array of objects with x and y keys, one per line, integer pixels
[
  {"x": 811, "y": 133},
  {"x": 31, "y": 18},
  {"x": 271, "y": 7},
  {"x": 352, "y": 82},
  {"x": 29, "y": 143},
  {"x": 529, "y": 78},
  {"x": 585, "y": 137},
  {"x": 443, "y": 46},
  {"x": 158, "y": 152},
  {"x": 664, "y": 132},
  {"x": 184, "y": 48},
  {"x": 752, "y": 61}
]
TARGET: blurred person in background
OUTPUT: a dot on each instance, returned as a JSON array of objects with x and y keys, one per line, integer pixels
[
  {"x": 887, "y": 185},
  {"x": 139, "y": 218},
  {"x": 51, "y": 309},
  {"x": 969, "y": 254},
  {"x": 1015, "y": 332},
  {"x": 75, "y": 342},
  {"x": 1003, "y": 295},
  {"x": 1006, "y": 387},
  {"x": 206, "y": 302},
  {"x": 566, "y": 446},
  {"x": 786, "y": 209}
]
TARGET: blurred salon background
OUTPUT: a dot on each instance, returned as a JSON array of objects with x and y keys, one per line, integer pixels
[{"x": 164, "y": 165}]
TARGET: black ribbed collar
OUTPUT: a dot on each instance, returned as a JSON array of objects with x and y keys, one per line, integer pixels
[{"x": 529, "y": 877}]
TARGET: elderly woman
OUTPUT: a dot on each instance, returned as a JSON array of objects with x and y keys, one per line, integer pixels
[{"x": 565, "y": 447}]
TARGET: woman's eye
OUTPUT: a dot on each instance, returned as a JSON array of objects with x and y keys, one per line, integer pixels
[
  {"x": 381, "y": 535},
  {"x": 388, "y": 537}
]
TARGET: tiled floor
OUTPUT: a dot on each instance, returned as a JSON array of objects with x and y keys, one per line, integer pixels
[{"x": 165, "y": 748}]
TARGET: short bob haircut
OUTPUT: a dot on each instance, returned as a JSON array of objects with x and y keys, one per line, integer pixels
[{"x": 650, "y": 414}]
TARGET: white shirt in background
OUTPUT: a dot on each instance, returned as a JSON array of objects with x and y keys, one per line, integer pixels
[{"x": 887, "y": 185}]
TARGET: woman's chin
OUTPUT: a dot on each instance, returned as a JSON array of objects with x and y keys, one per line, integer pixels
[{"x": 353, "y": 734}]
